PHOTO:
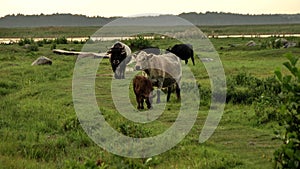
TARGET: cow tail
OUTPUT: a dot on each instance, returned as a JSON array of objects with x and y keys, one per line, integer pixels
[{"x": 192, "y": 57}]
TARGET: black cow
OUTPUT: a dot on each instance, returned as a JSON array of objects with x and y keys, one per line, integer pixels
[
  {"x": 120, "y": 55},
  {"x": 153, "y": 50},
  {"x": 183, "y": 51}
]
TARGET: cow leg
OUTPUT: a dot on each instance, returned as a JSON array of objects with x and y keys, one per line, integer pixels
[
  {"x": 159, "y": 86},
  {"x": 118, "y": 72},
  {"x": 158, "y": 96},
  {"x": 138, "y": 102},
  {"x": 148, "y": 102},
  {"x": 186, "y": 61},
  {"x": 123, "y": 70},
  {"x": 178, "y": 92},
  {"x": 142, "y": 103},
  {"x": 169, "y": 93},
  {"x": 193, "y": 60},
  {"x": 123, "y": 75}
]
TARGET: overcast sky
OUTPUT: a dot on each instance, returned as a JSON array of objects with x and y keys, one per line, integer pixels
[{"x": 136, "y": 7}]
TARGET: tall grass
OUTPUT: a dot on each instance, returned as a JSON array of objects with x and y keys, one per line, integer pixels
[{"x": 39, "y": 127}]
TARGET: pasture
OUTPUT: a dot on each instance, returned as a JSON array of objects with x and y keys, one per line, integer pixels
[{"x": 39, "y": 127}]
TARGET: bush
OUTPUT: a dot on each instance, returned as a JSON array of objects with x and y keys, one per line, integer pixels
[
  {"x": 61, "y": 40},
  {"x": 32, "y": 47},
  {"x": 288, "y": 155},
  {"x": 134, "y": 130},
  {"x": 24, "y": 41},
  {"x": 267, "y": 104},
  {"x": 53, "y": 46},
  {"x": 243, "y": 88},
  {"x": 264, "y": 45},
  {"x": 139, "y": 43},
  {"x": 247, "y": 89}
]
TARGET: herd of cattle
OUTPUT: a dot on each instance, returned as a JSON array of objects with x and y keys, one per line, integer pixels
[{"x": 161, "y": 70}]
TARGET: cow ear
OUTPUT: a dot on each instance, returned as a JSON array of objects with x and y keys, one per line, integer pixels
[
  {"x": 134, "y": 55},
  {"x": 108, "y": 52},
  {"x": 149, "y": 56}
]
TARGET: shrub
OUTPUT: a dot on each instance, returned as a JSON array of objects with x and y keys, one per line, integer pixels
[
  {"x": 139, "y": 43},
  {"x": 247, "y": 89},
  {"x": 134, "y": 130},
  {"x": 288, "y": 155},
  {"x": 267, "y": 104},
  {"x": 32, "y": 47},
  {"x": 264, "y": 45},
  {"x": 53, "y": 46},
  {"x": 243, "y": 88},
  {"x": 47, "y": 41},
  {"x": 61, "y": 40},
  {"x": 24, "y": 41},
  {"x": 40, "y": 43}
]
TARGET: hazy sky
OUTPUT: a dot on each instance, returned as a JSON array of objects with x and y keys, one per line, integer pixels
[{"x": 133, "y": 7}]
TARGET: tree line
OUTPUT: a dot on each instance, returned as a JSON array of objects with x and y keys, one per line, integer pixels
[{"x": 201, "y": 19}]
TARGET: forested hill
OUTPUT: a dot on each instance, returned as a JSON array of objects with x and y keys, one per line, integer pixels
[
  {"x": 52, "y": 20},
  {"x": 208, "y": 18},
  {"x": 213, "y": 18}
]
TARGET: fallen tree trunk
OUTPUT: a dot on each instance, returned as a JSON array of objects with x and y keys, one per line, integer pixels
[{"x": 83, "y": 54}]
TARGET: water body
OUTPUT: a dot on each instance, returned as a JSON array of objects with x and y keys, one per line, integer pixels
[
  {"x": 15, "y": 40},
  {"x": 255, "y": 36},
  {"x": 84, "y": 39}
]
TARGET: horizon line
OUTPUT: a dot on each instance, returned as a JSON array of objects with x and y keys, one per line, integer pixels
[{"x": 146, "y": 14}]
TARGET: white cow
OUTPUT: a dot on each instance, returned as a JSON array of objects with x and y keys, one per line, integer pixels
[{"x": 163, "y": 71}]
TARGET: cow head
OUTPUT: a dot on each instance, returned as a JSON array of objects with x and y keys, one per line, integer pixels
[
  {"x": 142, "y": 60},
  {"x": 168, "y": 50},
  {"x": 117, "y": 55}
]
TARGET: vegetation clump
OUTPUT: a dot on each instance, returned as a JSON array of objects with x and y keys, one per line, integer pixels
[{"x": 288, "y": 155}]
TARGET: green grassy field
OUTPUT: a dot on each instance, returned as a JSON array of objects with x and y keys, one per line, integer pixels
[
  {"x": 39, "y": 127},
  {"x": 46, "y": 32}
]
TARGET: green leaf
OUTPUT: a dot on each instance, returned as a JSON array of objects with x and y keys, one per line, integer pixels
[
  {"x": 297, "y": 155},
  {"x": 298, "y": 75},
  {"x": 289, "y": 152},
  {"x": 293, "y": 59},
  {"x": 287, "y": 79},
  {"x": 288, "y": 65},
  {"x": 278, "y": 74}
]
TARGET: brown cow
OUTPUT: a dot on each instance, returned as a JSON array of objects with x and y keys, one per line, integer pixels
[{"x": 142, "y": 88}]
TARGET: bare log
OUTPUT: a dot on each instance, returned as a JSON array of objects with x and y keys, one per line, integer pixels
[{"x": 66, "y": 52}]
